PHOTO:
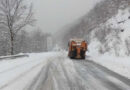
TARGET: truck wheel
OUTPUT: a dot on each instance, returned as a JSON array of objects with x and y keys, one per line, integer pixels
[
  {"x": 82, "y": 54},
  {"x": 73, "y": 54}
]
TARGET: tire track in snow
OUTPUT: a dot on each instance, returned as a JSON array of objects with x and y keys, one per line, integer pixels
[
  {"x": 101, "y": 76},
  {"x": 73, "y": 84},
  {"x": 111, "y": 73},
  {"x": 20, "y": 76},
  {"x": 40, "y": 79},
  {"x": 55, "y": 76}
]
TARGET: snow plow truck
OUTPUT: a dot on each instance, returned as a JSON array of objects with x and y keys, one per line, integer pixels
[{"x": 77, "y": 48}]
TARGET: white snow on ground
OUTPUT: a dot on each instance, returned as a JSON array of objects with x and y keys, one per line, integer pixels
[
  {"x": 120, "y": 65},
  {"x": 16, "y": 74}
]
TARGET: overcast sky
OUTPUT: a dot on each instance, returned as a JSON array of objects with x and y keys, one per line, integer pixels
[{"x": 52, "y": 15}]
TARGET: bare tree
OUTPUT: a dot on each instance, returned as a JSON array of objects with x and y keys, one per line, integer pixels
[{"x": 14, "y": 16}]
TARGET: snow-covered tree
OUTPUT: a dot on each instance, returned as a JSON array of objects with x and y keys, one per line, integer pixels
[{"x": 15, "y": 15}]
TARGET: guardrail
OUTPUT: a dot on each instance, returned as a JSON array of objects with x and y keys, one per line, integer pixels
[{"x": 13, "y": 56}]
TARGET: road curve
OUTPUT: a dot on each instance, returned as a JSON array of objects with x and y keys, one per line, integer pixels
[{"x": 65, "y": 74}]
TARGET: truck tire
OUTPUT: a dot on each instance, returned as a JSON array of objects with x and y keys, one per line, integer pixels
[
  {"x": 73, "y": 54},
  {"x": 82, "y": 54}
]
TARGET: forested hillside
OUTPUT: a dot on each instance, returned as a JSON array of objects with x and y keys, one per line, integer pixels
[{"x": 103, "y": 28}]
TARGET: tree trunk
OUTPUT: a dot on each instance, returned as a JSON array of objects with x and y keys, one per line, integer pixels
[{"x": 12, "y": 44}]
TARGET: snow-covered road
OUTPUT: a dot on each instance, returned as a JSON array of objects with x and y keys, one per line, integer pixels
[
  {"x": 65, "y": 74},
  {"x": 54, "y": 71}
]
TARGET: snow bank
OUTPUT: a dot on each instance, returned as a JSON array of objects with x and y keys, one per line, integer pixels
[
  {"x": 9, "y": 57},
  {"x": 120, "y": 65}
]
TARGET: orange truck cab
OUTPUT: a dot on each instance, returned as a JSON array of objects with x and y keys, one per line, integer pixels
[{"x": 77, "y": 48}]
